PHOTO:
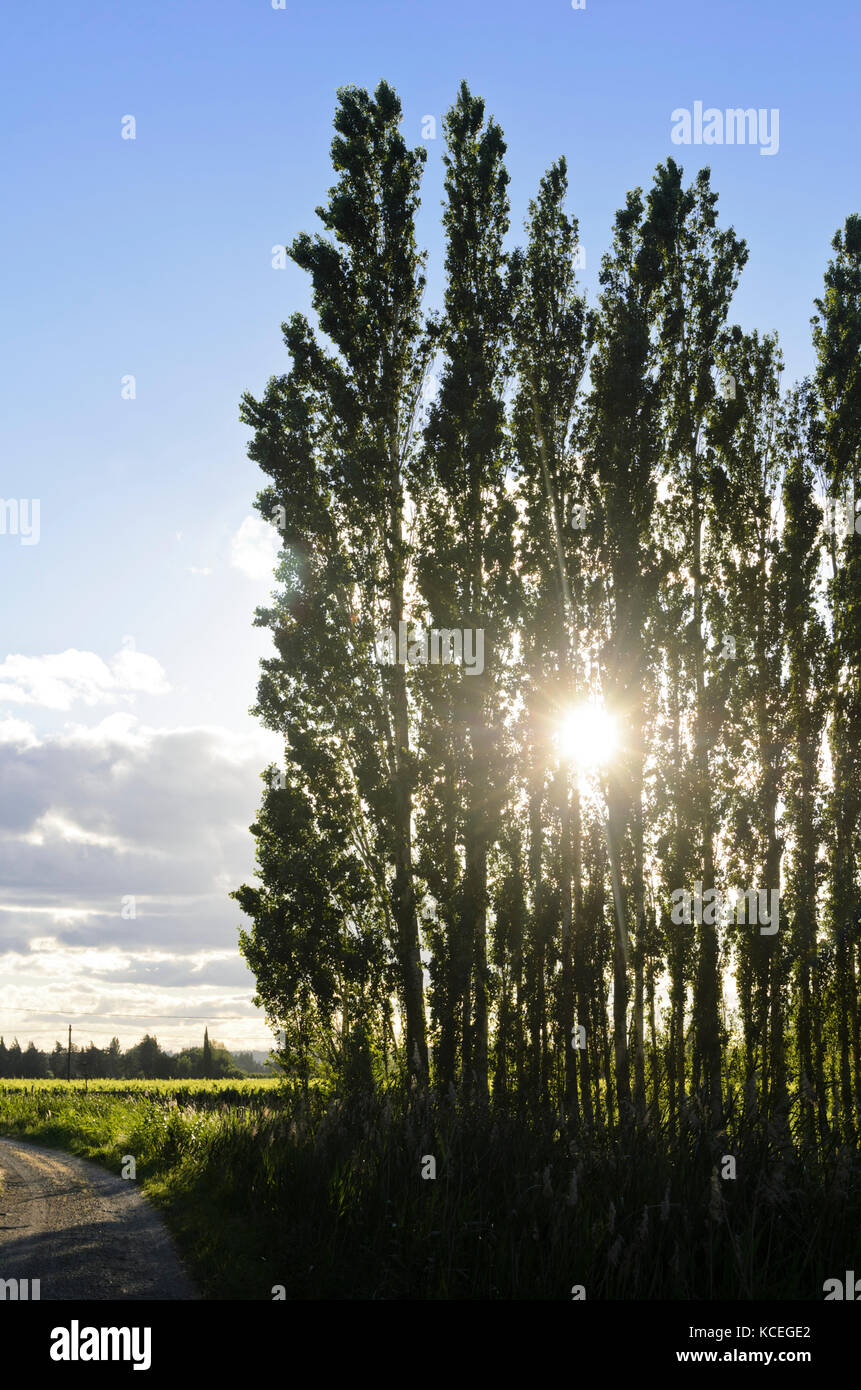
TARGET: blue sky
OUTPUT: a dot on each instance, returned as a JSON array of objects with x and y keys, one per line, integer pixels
[{"x": 127, "y": 657}]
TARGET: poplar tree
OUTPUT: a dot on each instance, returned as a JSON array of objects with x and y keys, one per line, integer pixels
[
  {"x": 622, "y": 453},
  {"x": 467, "y": 566},
  {"x": 837, "y": 340},
  {"x": 698, "y": 265},
  {"x": 743, "y": 609},
  {"x": 552, "y": 332},
  {"x": 808, "y": 662},
  {"x": 337, "y": 437}
]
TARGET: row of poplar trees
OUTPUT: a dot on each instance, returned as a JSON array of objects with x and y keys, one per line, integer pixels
[{"x": 628, "y": 501}]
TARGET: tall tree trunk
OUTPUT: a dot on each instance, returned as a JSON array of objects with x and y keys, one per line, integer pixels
[
  {"x": 706, "y": 1003},
  {"x": 566, "y": 1029},
  {"x": 581, "y": 981},
  {"x": 406, "y": 916},
  {"x": 620, "y": 952}
]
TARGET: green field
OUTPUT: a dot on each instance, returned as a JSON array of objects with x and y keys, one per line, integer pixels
[{"x": 253, "y": 1090}]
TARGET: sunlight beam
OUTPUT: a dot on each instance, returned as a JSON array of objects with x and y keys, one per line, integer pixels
[{"x": 588, "y": 736}]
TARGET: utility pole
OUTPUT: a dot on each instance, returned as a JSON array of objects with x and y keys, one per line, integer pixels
[{"x": 69, "y": 1056}]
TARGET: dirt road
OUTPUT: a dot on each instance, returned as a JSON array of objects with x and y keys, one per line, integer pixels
[{"x": 81, "y": 1231}]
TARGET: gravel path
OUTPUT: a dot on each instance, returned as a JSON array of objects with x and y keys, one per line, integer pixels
[{"x": 81, "y": 1231}]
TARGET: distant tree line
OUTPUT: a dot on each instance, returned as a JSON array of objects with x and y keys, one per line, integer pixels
[{"x": 145, "y": 1061}]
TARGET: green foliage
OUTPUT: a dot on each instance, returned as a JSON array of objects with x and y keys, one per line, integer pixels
[{"x": 622, "y": 498}]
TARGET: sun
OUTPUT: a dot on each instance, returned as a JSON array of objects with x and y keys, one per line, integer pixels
[{"x": 588, "y": 736}]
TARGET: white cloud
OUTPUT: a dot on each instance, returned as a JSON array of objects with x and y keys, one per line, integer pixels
[
  {"x": 254, "y": 548},
  {"x": 94, "y": 815},
  {"x": 17, "y": 731},
  {"x": 62, "y": 679}
]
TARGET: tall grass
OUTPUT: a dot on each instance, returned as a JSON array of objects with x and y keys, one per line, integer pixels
[{"x": 325, "y": 1197}]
